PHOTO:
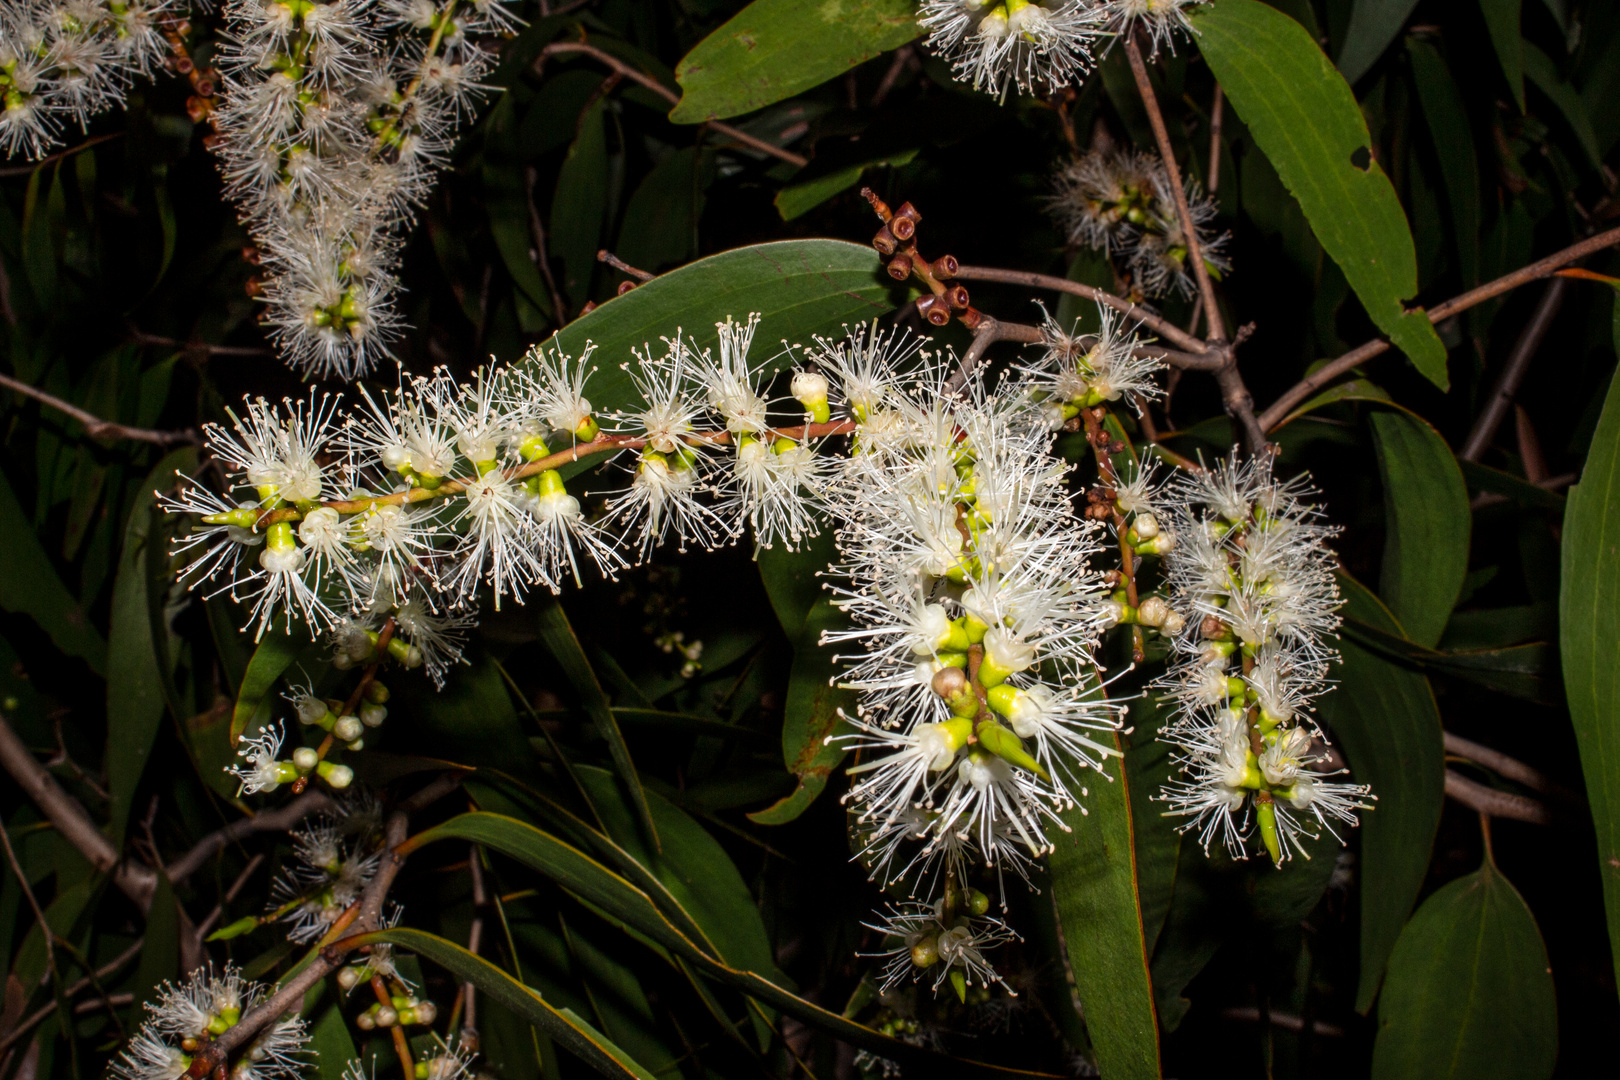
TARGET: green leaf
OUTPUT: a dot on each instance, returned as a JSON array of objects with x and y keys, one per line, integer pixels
[
  {"x": 565, "y": 1026},
  {"x": 1150, "y": 764},
  {"x": 1520, "y": 671},
  {"x": 29, "y": 586},
  {"x": 1385, "y": 719},
  {"x": 160, "y": 952},
  {"x": 1426, "y": 524},
  {"x": 579, "y": 206},
  {"x": 792, "y": 579},
  {"x": 1303, "y": 116},
  {"x": 1589, "y": 641},
  {"x": 135, "y": 691},
  {"x": 1093, "y": 874},
  {"x": 276, "y": 653},
  {"x": 1544, "y": 73},
  {"x": 565, "y": 648},
  {"x": 330, "y": 1043},
  {"x": 619, "y": 899},
  {"x": 1454, "y": 145},
  {"x": 1469, "y": 993},
  {"x": 810, "y": 717},
  {"x": 660, "y": 221},
  {"x": 798, "y": 287},
  {"x": 507, "y": 205},
  {"x": 1517, "y": 489},
  {"x": 1353, "y": 390},
  {"x": 1502, "y": 21},
  {"x": 801, "y": 198},
  {"x": 773, "y": 49},
  {"x": 1373, "y": 25}
]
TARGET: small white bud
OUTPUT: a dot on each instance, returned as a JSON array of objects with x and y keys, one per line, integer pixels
[
  {"x": 387, "y": 1017},
  {"x": 373, "y": 715},
  {"x": 340, "y": 777},
  {"x": 347, "y": 729},
  {"x": 1146, "y": 526},
  {"x": 305, "y": 758},
  {"x": 1153, "y": 611},
  {"x": 426, "y": 1012}
]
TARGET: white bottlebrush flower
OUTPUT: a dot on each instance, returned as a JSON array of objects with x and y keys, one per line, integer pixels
[
  {"x": 1080, "y": 371},
  {"x": 551, "y": 385},
  {"x": 1028, "y": 44},
  {"x": 926, "y": 942},
  {"x": 435, "y": 637},
  {"x": 260, "y": 771},
  {"x": 205, "y": 1006},
  {"x": 731, "y": 382},
  {"x": 1160, "y": 20}
]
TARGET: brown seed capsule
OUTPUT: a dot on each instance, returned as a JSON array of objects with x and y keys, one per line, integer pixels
[
  {"x": 935, "y": 310},
  {"x": 945, "y": 267},
  {"x": 254, "y": 286},
  {"x": 900, "y": 267},
  {"x": 626, "y": 286},
  {"x": 205, "y": 88},
  {"x": 884, "y": 241},
  {"x": 971, "y": 318},
  {"x": 958, "y": 297},
  {"x": 590, "y": 306},
  {"x": 1211, "y": 627},
  {"x": 905, "y": 221},
  {"x": 183, "y": 65},
  {"x": 250, "y": 254}
]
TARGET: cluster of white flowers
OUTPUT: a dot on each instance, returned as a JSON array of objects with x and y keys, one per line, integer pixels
[
  {"x": 401, "y": 512},
  {"x": 948, "y": 940},
  {"x": 330, "y": 869},
  {"x": 1033, "y": 44},
  {"x": 1252, "y": 564},
  {"x": 1122, "y": 203},
  {"x": 66, "y": 60},
  {"x": 337, "y": 116},
  {"x": 202, "y": 1008}
]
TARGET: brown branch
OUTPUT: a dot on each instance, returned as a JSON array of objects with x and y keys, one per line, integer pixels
[
  {"x": 1489, "y": 801},
  {"x": 606, "y": 256},
  {"x": 71, "y": 820},
  {"x": 278, "y": 820},
  {"x": 1215, "y": 113},
  {"x": 1167, "y": 330},
  {"x": 988, "y": 332},
  {"x": 537, "y": 232},
  {"x": 1518, "y": 362},
  {"x": 35, "y": 166},
  {"x": 140, "y": 338},
  {"x": 45, "y": 930},
  {"x": 1508, "y": 767},
  {"x": 1279, "y": 409},
  {"x": 1195, "y": 255},
  {"x": 230, "y": 894},
  {"x": 95, "y": 426},
  {"x": 15, "y": 1035},
  {"x": 563, "y": 48}
]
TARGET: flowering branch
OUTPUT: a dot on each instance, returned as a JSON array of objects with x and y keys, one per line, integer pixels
[
  {"x": 1279, "y": 409},
  {"x": 1168, "y": 330}
]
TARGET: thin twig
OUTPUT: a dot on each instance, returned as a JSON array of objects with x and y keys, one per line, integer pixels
[
  {"x": 1486, "y": 800},
  {"x": 39, "y": 913},
  {"x": 278, "y": 820},
  {"x": 71, "y": 820},
  {"x": 1518, "y": 362},
  {"x": 141, "y": 338},
  {"x": 1279, "y": 409},
  {"x": 1167, "y": 330},
  {"x": 1508, "y": 767},
  {"x": 230, "y": 894},
  {"x": 563, "y": 48},
  {"x": 95, "y": 426},
  {"x": 606, "y": 256},
  {"x": 35, "y": 166},
  {"x": 15, "y": 1035},
  {"x": 537, "y": 233},
  {"x": 988, "y": 332},
  {"x": 897, "y": 67},
  {"x": 1215, "y": 113},
  {"x": 1206, "y": 287}
]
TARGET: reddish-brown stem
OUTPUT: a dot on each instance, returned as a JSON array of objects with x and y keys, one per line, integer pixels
[
  {"x": 95, "y": 426},
  {"x": 402, "y": 1047},
  {"x": 1279, "y": 409},
  {"x": 1167, "y": 330},
  {"x": 1097, "y": 435},
  {"x": 1215, "y": 111},
  {"x": 1195, "y": 255}
]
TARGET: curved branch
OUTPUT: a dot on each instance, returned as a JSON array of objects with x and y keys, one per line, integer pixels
[
  {"x": 278, "y": 820},
  {"x": 1167, "y": 330},
  {"x": 563, "y": 48},
  {"x": 1486, "y": 800},
  {"x": 1273, "y": 416},
  {"x": 95, "y": 426},
  {"x": 988, "y": 332}
]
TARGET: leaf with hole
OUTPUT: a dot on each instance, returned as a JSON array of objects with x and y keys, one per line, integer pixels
[{"x": 1305, "y": 119}]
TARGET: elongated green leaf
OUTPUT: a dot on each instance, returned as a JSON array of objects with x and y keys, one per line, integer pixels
[
  {"x": 1517, "y": 489},
  {"x": 1353, "y": 390},
  {"x": 774, "y": 49},
  {"x": 660, "y": 221},
  {"x": 798, "y": 287},
  {"x": 563, "y": 1025},
  {"x": 617, "y": 897},
  {"x": 275, "y": 654},
  {"x": 135, "y": 698},
  {"x": 331, "y": 1044},
  {"x": 1305, "y": 119},
  {"x": 508, "y": 208},
  {"x": 1544, "y": 73},
  {"x": 1426, "y": 524},
  {"x": 1454, "y": 144},
  {"x": 810, "y": 717},
  {"x": 565, "y": 648},
  {"x": 1373, "y": 25},
  {"x": 29, "y": 586},
  {"x": 1519, "y": 670},
  {"x": 1093, "y": 872},
  {"x": 1469, "y": 993},
  {"x": 801, "y": 198},
  {"x": 1589, "y": 641},
  {"x": 579, "y": 206},
  {"x": 1385, "y": 719},
  {"x": 1502, "y": 21}
]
